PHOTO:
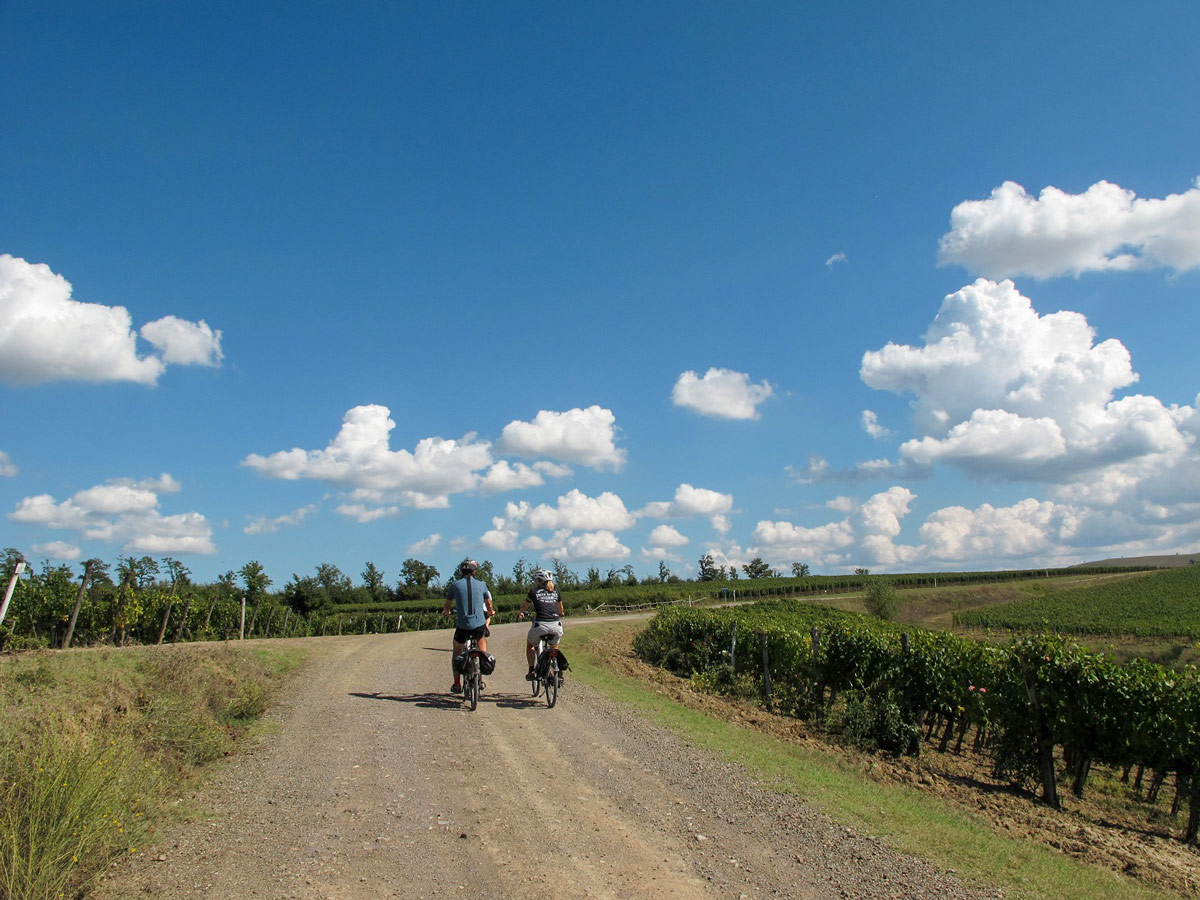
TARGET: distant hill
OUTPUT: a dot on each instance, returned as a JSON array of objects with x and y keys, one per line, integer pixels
[{"x": 1166, "y": 561}]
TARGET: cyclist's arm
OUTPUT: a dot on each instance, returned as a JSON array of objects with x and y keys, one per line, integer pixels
[{"x": 488, "y": 604}]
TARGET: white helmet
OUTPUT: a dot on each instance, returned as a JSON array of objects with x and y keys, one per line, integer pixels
[{"x": 541, "y": 576}]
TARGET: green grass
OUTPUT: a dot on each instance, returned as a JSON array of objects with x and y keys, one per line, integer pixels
[
  {"x": 93, "y": 743},
  {"x": 907, "y": 819}
]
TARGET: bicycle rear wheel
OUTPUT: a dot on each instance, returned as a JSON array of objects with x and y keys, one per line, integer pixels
[
  {"x": 472, "y": 685},
  {"x": 552, "y": 682}
]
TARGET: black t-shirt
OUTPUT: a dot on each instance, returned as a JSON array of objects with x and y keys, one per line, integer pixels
[{"x": 545, "y": 605}]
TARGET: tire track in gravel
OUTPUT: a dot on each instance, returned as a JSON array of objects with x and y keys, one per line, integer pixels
[{"x": 376, "y": 783}]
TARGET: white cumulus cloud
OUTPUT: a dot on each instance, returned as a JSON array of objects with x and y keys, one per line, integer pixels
[
  {"x": 506, "y": 476},
  {"x": 585, "y": 437},
  {"x": 667, "y": 536},
  {"x": 58, "y": 550},
  {"x": 265, "y": 525},
  {"x": 721, "y": 393},
  {"x": 359, "y": 457},
  {"x": 1026, "y": 529},
  {"x": 424, "y": 546},
  {"x": 1002, "y": 391},
  {"x": 46, "y": 335},
  {"x": 124, "y": 512},
  {"x": 690, "y": 502},
  {"x": 587, "y": 547},
  {"x": 577, "y": 511},
  {"x": 821, "y": 545},
  {"x": 1103, "y": 229},
  {"x": 7, "y": 468},
  {"x": 184, "y": 343},
  {"x": 870, "y": 424}
]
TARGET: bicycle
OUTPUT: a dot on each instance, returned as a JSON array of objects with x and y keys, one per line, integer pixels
[
  {"x": 472, "y": 674},
  {"x": 547, "y": 676}
]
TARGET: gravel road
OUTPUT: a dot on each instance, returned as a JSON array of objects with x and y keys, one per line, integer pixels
[{"x": 376, "y": 783}]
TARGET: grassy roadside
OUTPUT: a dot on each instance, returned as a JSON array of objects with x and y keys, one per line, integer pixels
[
  {"x": 905, "y": 818},
  {"x": 95, "y": 743}
]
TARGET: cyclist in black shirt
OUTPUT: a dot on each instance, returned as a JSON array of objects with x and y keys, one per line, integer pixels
[{"x": 547, "y": 616}]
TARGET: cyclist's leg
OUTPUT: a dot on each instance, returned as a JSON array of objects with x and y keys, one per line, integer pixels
[
  {"x": 531, "y": 650},
  {"x": 457, "y": 652}
]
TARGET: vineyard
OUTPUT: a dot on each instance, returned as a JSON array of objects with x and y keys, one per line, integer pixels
[
  {"x": 1157, "y": 604},
  {"x": 1042, "y": 709}
]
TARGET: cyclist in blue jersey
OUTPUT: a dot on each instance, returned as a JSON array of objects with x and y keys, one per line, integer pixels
[
  {"x": 547, "y": 616},
  {"x": 472, "y": 602}
]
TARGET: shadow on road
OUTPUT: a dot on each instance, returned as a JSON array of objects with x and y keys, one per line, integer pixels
[{"x": 438, "y": 700}]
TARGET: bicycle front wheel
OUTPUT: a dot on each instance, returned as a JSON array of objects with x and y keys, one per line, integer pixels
[{"x": 552, "y": 682}]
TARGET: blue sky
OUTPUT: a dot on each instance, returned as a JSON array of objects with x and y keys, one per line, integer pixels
[{"x": 866, "y": 285}]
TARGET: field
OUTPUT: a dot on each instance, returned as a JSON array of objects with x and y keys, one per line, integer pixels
[{"x": 1161, "y": 604}]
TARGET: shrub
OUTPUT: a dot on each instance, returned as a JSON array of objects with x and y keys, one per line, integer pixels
[
  {"x": 873, "y": 721},
  {"x": 66, "y": 805},
  {"x": 883, "y": 600}
]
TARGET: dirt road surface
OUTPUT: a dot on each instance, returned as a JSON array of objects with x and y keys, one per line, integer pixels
[{"x": 376, "y": 783}]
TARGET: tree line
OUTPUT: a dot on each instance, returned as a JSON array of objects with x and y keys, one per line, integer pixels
[{"x": 145, "y": 600}]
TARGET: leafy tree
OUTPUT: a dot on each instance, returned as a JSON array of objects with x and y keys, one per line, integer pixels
[
  {"x": 861, "y": 571},
  {"x": 418, "y": 574},
  {"x": 522, "y": 572},
  {"x": 593, "y": 577},
  {"x": 305, "y": 595},
  {"x": 254, "y": 577},
  {"x": 487, "y": 574},
  {"x": 756, "y": 568},
  {"x": 664, "y": 574},
  {"x": 630, "y": 578},
  {"x": 337, "y": 585},
  {"x": 800, "y": 570},
  {"x": 563, "y": 577},
  {"x": 709, "y": 570},
  {"x": 373, "y": 582}
]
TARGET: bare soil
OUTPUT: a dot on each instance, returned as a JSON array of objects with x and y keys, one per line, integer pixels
[{"x": 375, "y": 782}]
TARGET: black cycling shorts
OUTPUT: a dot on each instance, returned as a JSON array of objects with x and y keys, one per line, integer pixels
[{"x": 461, "y": 634}]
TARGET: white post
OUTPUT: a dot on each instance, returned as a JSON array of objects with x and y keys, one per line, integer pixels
[
  {"x": 242, "y": 625},
  {"x": 12, "y": 584}
]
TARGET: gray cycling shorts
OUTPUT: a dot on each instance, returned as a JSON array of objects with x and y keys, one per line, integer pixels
[{"x": 552, "y": 630}]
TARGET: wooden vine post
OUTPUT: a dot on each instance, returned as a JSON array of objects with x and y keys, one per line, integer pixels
[
  {"x": 87, "y": 575},
  {"x": 766, "y": 665},
  {"x": 12, "y": 584}
]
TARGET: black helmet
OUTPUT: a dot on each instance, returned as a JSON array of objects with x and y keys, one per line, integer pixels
[{"x": 468, "y": 565}]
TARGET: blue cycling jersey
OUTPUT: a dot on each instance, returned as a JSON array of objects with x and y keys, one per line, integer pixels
[{"x": 470, "y": 596}]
